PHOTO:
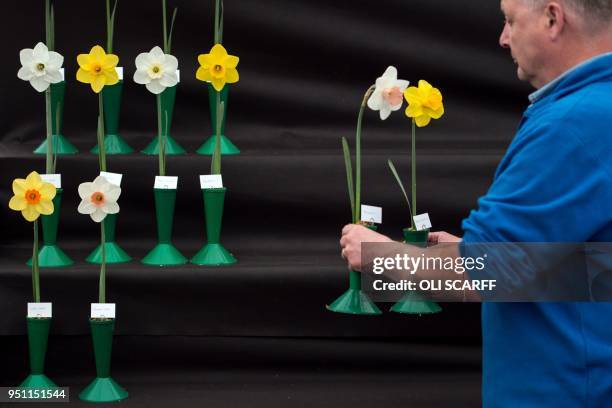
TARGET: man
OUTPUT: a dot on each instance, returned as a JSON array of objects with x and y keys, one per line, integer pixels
[{"x": 553, "y": 185}]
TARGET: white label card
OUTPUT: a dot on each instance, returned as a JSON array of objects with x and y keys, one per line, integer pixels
[
  {"x": 113, "y": 178},
  {"x": 178, "y": 75},
  {"x": 102, "y": 310},
  {"x": 63, "y": 74},
  {"x": 166, "y": 182},
  {"x": 119, "y": 72},
  {"x": 55, "y": 179},
  {"x": 422, "y": 222},
  {"x": 371, "y": 214},
  {"x": 211, "y": 181},
  {"x": 40, "y": 310}
]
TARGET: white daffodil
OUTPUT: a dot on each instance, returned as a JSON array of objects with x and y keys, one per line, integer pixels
[
  {"x": 40, "y": 66},
  {"x": 156, "y": 70},
  {"x": 99, "y": 198},
  {"x": 389, "y": 93}
]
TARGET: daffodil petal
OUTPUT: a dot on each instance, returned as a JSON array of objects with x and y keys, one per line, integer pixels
[
  {"x": 218, "y": 52},
  {"x": 26, "y": 56},
  {"x": 97, "y": 52},
  {"x": 47, "y": 191},
  {"x": 218, "y": 84},
  {"x": 18, "y": 203},
  {"x": 113, "y": 193},
  {"x": 422, "y": 121},
  {"x": 385, "y": 111},
  {"x": 34, "y": 181},
  {"x": 414, "y": 110},
  {"x": 20, "y": 186},
  {"x": 110, "y": 61},
  {"x": 141, "y": 77},
  {"x": 98, "y": 83},
  {"x": 111, "y": 76},
  {"x": 203, "y": 74},
  {"x": 231, "y": 61},
  {"x": 86, "y": 207},
  {"x": 30, "y": 213},
  {"x": 83, "y": 76},
  {"x": 375, "y": 100},
  {"x": 204, "y": 59},
  {"x": 44, "y": 207},
  {"x": 98, "y": 215},
  {"x": 231, "y": 76},
  {"x": 111, "y": 208},
  {"x": 155, "y": 87},
  {"x": 39, "y": 83},
  {"x": 85, "y": 190},
  {"x": 437, "y": 114}
]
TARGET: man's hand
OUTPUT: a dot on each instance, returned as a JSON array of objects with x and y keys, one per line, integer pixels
[
  {"x": 352, "y": 237},
  {"x": 441, "y": 237}
]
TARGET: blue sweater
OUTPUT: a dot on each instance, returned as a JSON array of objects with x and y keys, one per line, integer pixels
[{"x": 553, "y": 185}]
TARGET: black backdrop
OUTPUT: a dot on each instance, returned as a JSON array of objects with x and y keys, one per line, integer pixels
[{"x": 304, "y": 66}]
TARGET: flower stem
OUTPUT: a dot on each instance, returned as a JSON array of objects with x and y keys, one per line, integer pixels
[
  {"x": 413, "y": 164},
  {"x": 35, "y": 268},
  {"x": 161, "y": 139},
  {"x": 49, "y": 158},
  {"x": 101, "y": 146},
  {"x": 357, "y": 214},
  {"x": 216, "y": 159},
  {"x": 165, "y": 27},
  {"x": 48, "y": 24},
  {"x": 109, "y": 35},
  {"x": 102, "y": 288}
]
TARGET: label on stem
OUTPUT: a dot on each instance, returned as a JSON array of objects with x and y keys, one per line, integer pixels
[
  {"x": 178, "y": 75},
  {"x": 63, "y": 74},
  {"x": 102, "y": 310},
  {"x": 40, "y": 310},
  {"x": 371, "y": 214},
  {"x": 119, "y": 72},
  {"x": 113, "y": 178},
  {"x": 422, "y": 222},
  {"x": 166, "y": 182},
  {"x": 55, "y": 179},
  {"x": 211, "y": 181}
]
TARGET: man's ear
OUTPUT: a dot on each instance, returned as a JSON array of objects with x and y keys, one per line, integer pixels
[{"x": 555, "y": 19}]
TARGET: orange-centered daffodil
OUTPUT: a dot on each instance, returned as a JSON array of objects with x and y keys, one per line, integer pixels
[
  {"x": 218, "y": 67},
  {"x": 424, "y": 103},
  {"x": 33, "y": 197},
  {"x": 97, "y": 68}
]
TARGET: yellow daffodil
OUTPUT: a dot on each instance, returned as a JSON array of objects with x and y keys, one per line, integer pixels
[
  {"x": 218, "y": 67},
  {"x": 424, "y": 103},
  {"x": 97, "y": 68},
  {"x": 33, "y": 197}
]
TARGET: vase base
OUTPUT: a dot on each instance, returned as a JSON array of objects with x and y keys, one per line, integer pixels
[
  {"x": 164, "y": 255},
  {"x": 103, "y": 390},
  {"x": 227, "y": 147},
  {"x": 37, "y": 381},
  {"x": 63, "y": 146},
  {"x": 172, "y": 147},
  {"x": 114, "y": 254},
  {"x": 413, "y": 304},
  {"x": 114, "y": 144},
  {"x": 354, "y": 302},
  {"x": 213, "y": 255},
  {"x": 52, "y": 256}
]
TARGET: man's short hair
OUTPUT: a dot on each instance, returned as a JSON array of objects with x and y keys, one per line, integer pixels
[{"x": 594, "y": 11}]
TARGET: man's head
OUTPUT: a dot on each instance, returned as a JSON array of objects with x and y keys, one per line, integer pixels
[{"x": 548, "y": 37}]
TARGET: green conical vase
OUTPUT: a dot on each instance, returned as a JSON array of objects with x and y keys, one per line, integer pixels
[
  {"x": 208, "y": 147},
  {"x": 354, "y": 301},
  {"x": 58, "y": 141},
  {"x": 167, "y": 105},
  {"x": 113, "y": 142},
  {"x": 50, "y": 255},
  {"x": 38, "y": 335},
  {"x": 114, "y": 253},
  {"x": 103, "y": 388},
  {"x": 213, "y": 253},
  {"x": 412, "y": 302},
  {"x": 164, "y": 253}
]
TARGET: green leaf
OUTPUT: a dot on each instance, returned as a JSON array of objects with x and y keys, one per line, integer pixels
[
  {"x": 171, "y": 31},
  {"x": 349, "y": 175},
  {"x": 399, "y": 182}
]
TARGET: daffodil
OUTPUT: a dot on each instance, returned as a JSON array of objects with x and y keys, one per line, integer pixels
[
  {"x": 156, "y": 70},
  {"x": 40, "y": 66},
  {"x": 424, "y": 103},
  {"x": 387, "y": 96},
  {"x": 32, "y": 197},
  {"x": 218, "y": 67},
  {"x": 99, "y": 198},
  {"x": 97, "y": 68}
]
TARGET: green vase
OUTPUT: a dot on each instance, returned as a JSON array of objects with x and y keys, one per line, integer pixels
[
  {"x": 114, "y": 253},
  {"x": 354, "y": 301},
  {"x": 103, "y": 388},
  {"x": 412, "y": 302},
  {"x": 58, "y": 141},
  {"x": 213, "y": 253},
  {"x": 167, "y": 97},
  {"x": 38, "y": 335},
  {"x": 164, "y": 253},
  {"x": 113, "y": 142},
  {"x": 50, "y": 255},
  {"x": 208, "y": 147}
]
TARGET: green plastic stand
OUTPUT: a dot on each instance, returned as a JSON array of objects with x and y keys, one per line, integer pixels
[
  {"x": 114, "y": 253},
  {"x": 412, "y": 302},
  {"x": 354, "y": 301},
  {"x": 208, "y": 147},
  {"x": 113, "y": 142},
  {"x": 58, "y": 140},
  {"x": 164, "y": 253},
  {"x": 213, "y": 253},
  {"x": 167, "y": 105},
  {"x": 50, "y": 255},
  {"x": 103, "y": 388},
  {"x": 38, "y": 335}
]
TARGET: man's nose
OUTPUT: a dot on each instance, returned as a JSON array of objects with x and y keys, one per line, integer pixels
[{"x": 503, "y": 38}]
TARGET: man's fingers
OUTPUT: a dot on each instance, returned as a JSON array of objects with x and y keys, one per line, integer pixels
[{"x": 347, "y": 228}]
